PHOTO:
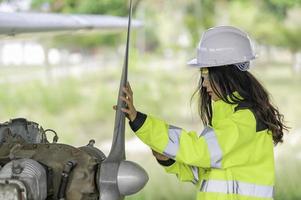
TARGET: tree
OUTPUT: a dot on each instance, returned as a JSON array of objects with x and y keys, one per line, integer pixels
[{"x": 199, "y": 15}]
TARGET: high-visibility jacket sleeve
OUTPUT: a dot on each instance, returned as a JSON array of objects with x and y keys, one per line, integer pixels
[
  {"x": 220, "y": 146},
  {"x": 185, "y": 172}
]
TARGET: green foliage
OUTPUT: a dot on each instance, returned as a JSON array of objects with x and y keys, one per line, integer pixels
[
  {"x": 112, "y": 7},
  {"x": 151, "y": 26},
  {"x": 264, "y": 19},
  {"x": 291, "y": 38},
  {"x": 88, "y": 41},
  {"x": 279, "y": 8},
  {"x": 199, "y": 15},
  {"x": 94, "y": 40},
  {"x": 267, "y": 27}
]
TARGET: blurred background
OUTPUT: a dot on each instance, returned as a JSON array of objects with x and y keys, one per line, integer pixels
[{"x": 69, "y": 81}]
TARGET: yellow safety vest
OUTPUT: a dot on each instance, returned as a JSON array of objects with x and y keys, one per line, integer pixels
[{"x": 232, "y": 159}]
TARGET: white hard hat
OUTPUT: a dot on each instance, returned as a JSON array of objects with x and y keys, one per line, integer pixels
[{"x": 223, "y": 45}]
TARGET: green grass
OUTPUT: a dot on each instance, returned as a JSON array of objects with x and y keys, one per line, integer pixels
[
  {"x": 288, "y": 169},
  {"x": 18, "y": 70}
]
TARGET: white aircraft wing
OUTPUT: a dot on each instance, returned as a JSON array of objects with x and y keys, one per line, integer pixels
[{"x": 16, "y": 23}]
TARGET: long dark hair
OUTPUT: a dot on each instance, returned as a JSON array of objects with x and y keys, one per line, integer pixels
[{"x": 229, "y": 79}]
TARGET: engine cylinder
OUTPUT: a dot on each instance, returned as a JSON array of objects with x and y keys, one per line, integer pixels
[{"x": 30, "y": 173}]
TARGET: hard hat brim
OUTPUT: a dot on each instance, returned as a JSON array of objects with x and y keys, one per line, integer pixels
[{"x": 194, "y": 63}]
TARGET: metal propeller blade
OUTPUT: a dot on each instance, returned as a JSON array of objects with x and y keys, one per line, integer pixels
[
  {"x": 19, "y": 23},
  {"x": 118, "y": 149},
  {"x": 119, "y": 177}
]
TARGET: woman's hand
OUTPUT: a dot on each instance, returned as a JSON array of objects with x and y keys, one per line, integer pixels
[
  {"x": 159, "y": 156},
  {"x": 130, "y": 111}
]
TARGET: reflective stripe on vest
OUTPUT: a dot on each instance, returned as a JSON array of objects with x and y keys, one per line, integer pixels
[
  {"x": 213, "y": 146},
  {"x": 237, "y": 187},
  {"x": 195, "y": 172},
  {"x": 173, "y": 141}
]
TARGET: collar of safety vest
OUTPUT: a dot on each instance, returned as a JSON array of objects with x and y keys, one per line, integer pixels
[{"x": 221, "y": 109}]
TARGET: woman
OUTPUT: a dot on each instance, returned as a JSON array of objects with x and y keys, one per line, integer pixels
[{"x": 232, "y": 158}]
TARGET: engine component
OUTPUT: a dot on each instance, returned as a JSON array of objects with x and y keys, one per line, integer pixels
[
  {"x": 30, "y": 173},
  {"x": 93, "y": 151},
  {"x": 131, "y": 178},
  {"x": 21, "y": 130},
  {"x": 64, "y": 179},
  {"x": 12, "y": 190},
  {"x": 81, "y": 184}
]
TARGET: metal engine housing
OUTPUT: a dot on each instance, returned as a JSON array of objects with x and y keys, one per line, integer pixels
[{"x": 24, "y": 143}]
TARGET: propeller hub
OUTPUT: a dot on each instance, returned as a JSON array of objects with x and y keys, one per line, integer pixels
[{"x": 131, "y": 178}]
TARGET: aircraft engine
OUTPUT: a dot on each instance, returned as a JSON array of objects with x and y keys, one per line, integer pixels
[{"x": 32, "y": 168}]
